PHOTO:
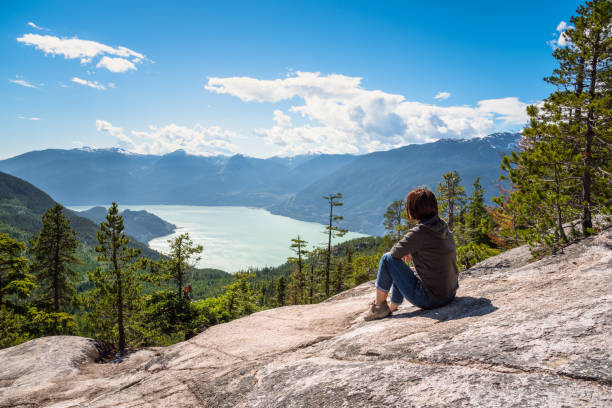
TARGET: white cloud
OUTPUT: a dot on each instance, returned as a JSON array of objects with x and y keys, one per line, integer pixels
[
  {"x": 86, "y": 51},
  {"x": 116, "y": 64},
  {"x": 303, "y": 83},
  {"x": 91, "y": 84},
  {"x": 341, "y": 116},
  {"x": 509, "y": 110},
  {"x": 560, "y": 38},
  {"x": 198, "y": 140},
  {"x": 27, "y": 118},
  {"x": 115, "y": 131},
  {"x": 442, "y": 95},
  {"x": 281, "y": 119},
  {"x": 23, "y": 82},
  {"x": 562, "y": 26},
  {"x": 31, "y": 24}
]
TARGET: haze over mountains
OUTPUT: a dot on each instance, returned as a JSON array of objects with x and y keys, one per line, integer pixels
[{"x": 287, "y": 186}]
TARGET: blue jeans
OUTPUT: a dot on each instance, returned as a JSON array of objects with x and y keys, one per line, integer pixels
[{"x": 394, "y": 274}]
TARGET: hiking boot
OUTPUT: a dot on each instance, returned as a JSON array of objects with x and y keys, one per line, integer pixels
[{"x": 377, "y": 311}]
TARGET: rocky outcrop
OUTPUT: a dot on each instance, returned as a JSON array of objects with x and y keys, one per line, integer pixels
[{"x": 519, "y": 334}]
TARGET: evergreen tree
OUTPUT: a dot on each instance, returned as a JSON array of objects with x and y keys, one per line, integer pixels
[
  {"x": 299, "y": 247},
  {"x": 564, "y": 170},
  {"x": 348, "y": 264},
  {"x": 364, "y": 267},
  {"x": 332, "y": 230},
  {"x": 507, "y": 216},
  {"x": 281, "y": 291},
  {"x": 166, "y": 318},
  {"x": 14, "y": 277},
  {"x": 240, "y": 298},
  {"x": 115, "y": 298},
  {"x": 340, "y": 277},
  {"x": 12, "y": 326},
  {"x": 394, "y": 220},
  {"x": 476, "y": 220},
  {"x": 451, "y": 197},
  {"x": 472, "y": 253},
  {"x": 313, "y": 261},
  {"x": 182, "y": 258},
  {"x": 545, "y": 187},
  {"x": 53, "y": 252},
  {"x": 582, "y": 104}
]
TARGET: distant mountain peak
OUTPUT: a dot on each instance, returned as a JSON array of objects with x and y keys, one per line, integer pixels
[{"x": 118, "y": 150}]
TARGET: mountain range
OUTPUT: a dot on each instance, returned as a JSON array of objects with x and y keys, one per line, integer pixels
[{"x": 291, "y": 186}]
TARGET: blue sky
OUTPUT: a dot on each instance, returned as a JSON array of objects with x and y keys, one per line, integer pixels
[{"x": 267, "y": 78}]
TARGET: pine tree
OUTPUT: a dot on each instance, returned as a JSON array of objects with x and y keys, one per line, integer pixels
[
  {"x": 564, "y": 170},
  {"x": 393, "y": 220},
  {"x": 240, "y": 297},
  {"x": 313, "y": 261},
  {"x": 507, "y": 216},
  {"x": 299, "y": 247},
  {"x": 182, "y": 258},
  {"x": 281, "y": 291},
  {"x": 545, "y": 186},
  {"x": 364, "y": 266},
  {"x": 115, "y": 297},
  {"x": 348, "y": 262},
  {"x": 451, "y": 197},
  {"x": 14, "y": 276},
  {"x": 53, "y": 252},
  {"x": 339, "y": 277},
  {"x": 332, "y": 230},
  {"x": 476, "y": 219},
  {"x": 581, "y": 107}
]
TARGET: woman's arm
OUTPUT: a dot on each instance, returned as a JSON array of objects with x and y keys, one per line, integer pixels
[{"x": 410, "y": 243}]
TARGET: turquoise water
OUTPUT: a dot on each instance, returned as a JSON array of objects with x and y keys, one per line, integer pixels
[{"x": 235, "y": 238}]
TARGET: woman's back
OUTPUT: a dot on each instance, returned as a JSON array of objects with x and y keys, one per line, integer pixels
[{"x": 433, "y": 251}]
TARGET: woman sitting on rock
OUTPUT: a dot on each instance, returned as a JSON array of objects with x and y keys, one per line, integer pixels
[{"x": 433, "y": 251}]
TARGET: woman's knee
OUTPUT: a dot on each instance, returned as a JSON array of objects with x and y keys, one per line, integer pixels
[{"x": 386, "y": 257}]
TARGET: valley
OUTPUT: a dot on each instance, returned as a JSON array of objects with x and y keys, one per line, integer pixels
[{"x": 234, "y": 238}]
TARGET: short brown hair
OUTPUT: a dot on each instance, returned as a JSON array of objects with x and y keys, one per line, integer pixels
[{"x": 421, "y": 204}]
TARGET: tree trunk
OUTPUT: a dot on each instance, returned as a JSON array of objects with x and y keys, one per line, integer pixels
[
  {"x": 120, "y": 326},
  {"x": 179, "y": 272},
  {"x": 339, "y": 282},
  {"x": 311, "y": 289},
  {"x": 331, "y": 206},
  {"x": 558, "y": 206},
  {"x": 56, "y": 262},
  {"x": 587, "y": 223},
  {"x": 300, "y": 277}
]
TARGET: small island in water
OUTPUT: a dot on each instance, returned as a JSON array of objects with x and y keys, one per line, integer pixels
[{"x": 142, "y": 225}]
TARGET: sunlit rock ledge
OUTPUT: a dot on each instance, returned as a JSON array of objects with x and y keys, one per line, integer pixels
[{"x": 518, "y": 334}]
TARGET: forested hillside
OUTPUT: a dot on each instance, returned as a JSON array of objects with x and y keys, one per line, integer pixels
[{"x": 22, "y": 206}]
